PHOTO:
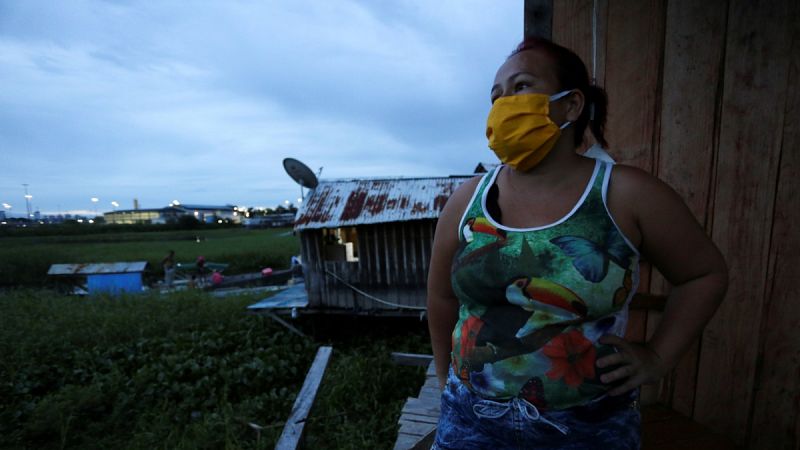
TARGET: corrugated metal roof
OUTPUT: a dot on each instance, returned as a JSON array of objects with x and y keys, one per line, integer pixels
[
  {"x": 97, "y": 268},
  {"x": 338, "y": 203}
]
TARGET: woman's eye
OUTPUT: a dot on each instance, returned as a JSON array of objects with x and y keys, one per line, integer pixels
[{"x": 521, "y": 85}]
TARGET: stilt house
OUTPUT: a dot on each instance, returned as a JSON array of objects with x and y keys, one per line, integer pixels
[{"x": 366, "y": 243}]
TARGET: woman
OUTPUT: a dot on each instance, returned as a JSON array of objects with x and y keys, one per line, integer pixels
[{"x": 533, "y": 267}]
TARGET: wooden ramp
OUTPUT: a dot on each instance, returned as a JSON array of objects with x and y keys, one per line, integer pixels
[
  {"x": 420, "y": 415},
  {"x": 662, "y": 427}
]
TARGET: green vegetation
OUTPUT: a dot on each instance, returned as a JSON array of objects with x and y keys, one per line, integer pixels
[
  {"x": 24, "y": 261},
  {"x": 187, "y": 370},
  {"x": 191, "y": 371}
]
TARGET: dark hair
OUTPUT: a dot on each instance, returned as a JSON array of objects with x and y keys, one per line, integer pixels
[{"x": 571, "y": 74}]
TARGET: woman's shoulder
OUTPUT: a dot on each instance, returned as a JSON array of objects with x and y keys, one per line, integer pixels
[
  {"x": 642, "y": 192},
  {"x": 635, "y": 181},
  {"x": 458, "y": 202},
  {"x": 460, "y": 198}
]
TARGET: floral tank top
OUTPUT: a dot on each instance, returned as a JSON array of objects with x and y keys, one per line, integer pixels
[{"x": 535, "y": 301}]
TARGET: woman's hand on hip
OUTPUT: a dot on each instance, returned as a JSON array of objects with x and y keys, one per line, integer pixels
[{"x": 635, "y": 365}]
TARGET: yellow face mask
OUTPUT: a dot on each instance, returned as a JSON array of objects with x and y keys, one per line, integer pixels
[{"x": 520, "y": 130}]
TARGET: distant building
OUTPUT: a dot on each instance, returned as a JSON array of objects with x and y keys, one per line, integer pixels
[
  {"x": 269, "y": 221},
  {"x": 170, "y": 214},
  {"x": 211, "y": 213},
  {"x": 144, "y": 216}
]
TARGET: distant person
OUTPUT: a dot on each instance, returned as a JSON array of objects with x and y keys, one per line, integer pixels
[
  {"x": 193, "y": 282},
  {"x": 201, "y": 270},
  {"x": 168, "y": 263},
  {"x": 217, "y": 279}
]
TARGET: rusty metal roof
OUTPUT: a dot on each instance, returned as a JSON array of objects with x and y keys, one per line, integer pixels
[
  {"x": 340, "y": 203},
  {"x": 97, "y": 268}
]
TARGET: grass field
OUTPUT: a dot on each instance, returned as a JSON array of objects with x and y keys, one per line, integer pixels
[
  {"x": 190, "y": 371},
  {"x": 24, "y": 260},
  {"x": 186, "y": 370}
]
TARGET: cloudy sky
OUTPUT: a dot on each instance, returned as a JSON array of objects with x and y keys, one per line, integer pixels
[{"x": 201, "y": 101}]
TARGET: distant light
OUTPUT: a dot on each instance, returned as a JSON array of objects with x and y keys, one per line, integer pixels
[
  {"x": 41, "y": 223},
  {"x": 196, "y": 213},
  {"x": 247, "y": 214},
  {"x": 286, "y": 201},
  {"x": 28, "y": 196},
  {"x": 299, "y": 200},
  {"x": 91, "y": 221},
  {"x": 3, "y": 223},
  {"x": 80, "y": 220},
  {"x": 235, "y": 213},
  {"x": 219, "y": 220}
]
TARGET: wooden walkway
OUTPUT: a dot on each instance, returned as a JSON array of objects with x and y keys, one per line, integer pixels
[
  {"x": 662, "y": 428},
  {"x": 420, "y": 415}
]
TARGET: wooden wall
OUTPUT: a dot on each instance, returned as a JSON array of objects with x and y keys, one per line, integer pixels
[
  {"x": 392, "y": 266},
  {"x": 704, "y": 95}
]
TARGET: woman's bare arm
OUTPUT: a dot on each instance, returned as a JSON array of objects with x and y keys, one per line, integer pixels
[
  {"x": 673, "y": 241},
  {"x": 442, "y": 302}
]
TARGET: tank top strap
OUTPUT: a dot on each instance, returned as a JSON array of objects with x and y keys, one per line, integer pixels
[
  {"x": 597, "y": 193},
  {"x": 475, "y": 206}
]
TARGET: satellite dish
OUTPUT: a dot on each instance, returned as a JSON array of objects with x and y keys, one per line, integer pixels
[{"x": 300, "y": 173}]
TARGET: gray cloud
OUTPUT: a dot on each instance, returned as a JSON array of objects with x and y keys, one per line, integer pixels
[{"x": 201, "y": 101}]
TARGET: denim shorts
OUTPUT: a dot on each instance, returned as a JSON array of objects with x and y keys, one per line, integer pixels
[{"x": 468, "y": 421}]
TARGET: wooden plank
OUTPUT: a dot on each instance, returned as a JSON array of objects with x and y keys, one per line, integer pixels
[
  {"x": 286, "y": 324},
  {"x": 776, "y": 412},
  {"x": 375, "y": 236},
  {"x": 538, "y": 19},
  {"x": 633, "y": 61},
  {"x": 692, "y": 85},
  {"x": 421, "y": 407},
  {"x": 405, "y": 441},
  {"x": 391, "y": 249},
  {"x": 642, "y": 301},
  {"x": 636, "y": 326},
  {"x": 573, "y": 24},
  {"x": 411, "y": 359},
  {"x": 431, "y": 372},
  {"x": 418, "y": 428},
  {"x": 293, "y": 430},
  {"x": 417, "y": 418},
  {"x": 572, "y": 28},
  {"x": 426, "y": 442},
  {"x": 403, "y": 248},
  {"x": 756, "y": 69}
]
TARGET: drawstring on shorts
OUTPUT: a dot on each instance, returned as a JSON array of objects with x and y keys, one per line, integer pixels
[{"x": 489, "y": 409}]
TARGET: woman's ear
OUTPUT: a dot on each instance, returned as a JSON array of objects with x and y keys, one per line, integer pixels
[{"x": 575, "y": 105}]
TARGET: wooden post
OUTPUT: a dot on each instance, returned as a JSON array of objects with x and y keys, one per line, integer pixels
[
  {"x": 293, "y": 430},
  {"x": 538, "y": 19}
]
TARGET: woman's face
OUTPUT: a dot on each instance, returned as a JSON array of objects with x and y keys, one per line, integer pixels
[
  {"x": 533, "y": 72},
  {"x": 527, "y": 72}
]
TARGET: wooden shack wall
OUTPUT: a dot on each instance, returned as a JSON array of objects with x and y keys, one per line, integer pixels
[
  {"x": 704, "y": 95},
  {"x": 392, "y": 266}
]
